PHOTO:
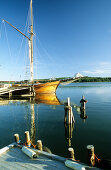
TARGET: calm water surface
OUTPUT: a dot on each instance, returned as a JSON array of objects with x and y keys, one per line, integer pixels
[{"x": 45, "y": 120}]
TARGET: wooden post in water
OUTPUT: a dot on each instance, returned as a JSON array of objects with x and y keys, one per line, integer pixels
[
  {"x": 39, "y": 145},
  {"x": 83, "y": 103},
  {"x": 10, "y": 94},
  {"x": 32, "y": 92},
  {"x": 68, "y": 113},
  {"x": 71, "y": 153},
  {"x": 68, "y": 101},
  {"x": 27, "y": 138},
  {"x": 91, "y": 157},
  {"x": 68, "y": 121},
  {"x": 16, "y": 137}
]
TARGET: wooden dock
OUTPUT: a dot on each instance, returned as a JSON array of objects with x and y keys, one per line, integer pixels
[
  {"x": 12, "y": 157},
  {"x": 17, "y": 91}
]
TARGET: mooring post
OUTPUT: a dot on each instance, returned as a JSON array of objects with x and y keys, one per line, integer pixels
[
  {"x": 83, "y": 102},
  {"x": 71, "y": 153},
  {"x": 68, "y": 101},
  {"x": 91, "y": 157},
  {"x": 10, "y": 94},
  {"x": 16, "y": 137},
  {"x": 68, "y": 112},
  {"x": 27, "y": 138},
  {"x": 32, "y": 92},
  {"x": 39, "y": 145}
]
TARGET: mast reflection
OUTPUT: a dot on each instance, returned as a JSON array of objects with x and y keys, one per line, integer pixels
[
  {"x": 50, "y": 99},
  {"x": 33, "y": 129}
]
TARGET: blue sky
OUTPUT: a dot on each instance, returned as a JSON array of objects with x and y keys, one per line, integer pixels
[{"x": 70, "y": 36}]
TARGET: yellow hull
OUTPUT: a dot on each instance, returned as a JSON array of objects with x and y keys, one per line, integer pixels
[{"x": 46, "y": 88}]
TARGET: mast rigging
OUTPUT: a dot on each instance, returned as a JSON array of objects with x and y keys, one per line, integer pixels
[{"x": 30, "y": 41}]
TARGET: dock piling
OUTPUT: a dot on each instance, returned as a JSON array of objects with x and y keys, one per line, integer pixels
[
  {"x": 27, "y": 138},
  {"x": 16, "y": 136},
  {"x": 68, "y": 101},
  {"x": 32, "y": 92},
  {"x": 39, "y": 145},
  {"x": 71, "y": 153},
  {"x": 68, "y": 113},
  {"x": 10, "y": 94},
  {"x": 91, "y": 157},
  {"x": 83, "y": 103}
]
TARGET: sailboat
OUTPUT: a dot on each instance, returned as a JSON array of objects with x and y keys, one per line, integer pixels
[
  {"x": 49, "y": 87},
  {"x": 38, "y": 88}
]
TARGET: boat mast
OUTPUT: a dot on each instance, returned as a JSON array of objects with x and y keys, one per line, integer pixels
[
  {"x": 31, "y": 44},
  {"x": 30, "y": 40}
]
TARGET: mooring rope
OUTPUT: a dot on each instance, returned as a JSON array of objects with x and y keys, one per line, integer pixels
[
  {"x": 25, "y": 144},
  {"x": 96, "y": 158}
]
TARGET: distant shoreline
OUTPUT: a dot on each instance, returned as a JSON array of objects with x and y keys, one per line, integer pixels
[
  {"x": 94, "y": 79},
  {"x": 83, "y": 79}
]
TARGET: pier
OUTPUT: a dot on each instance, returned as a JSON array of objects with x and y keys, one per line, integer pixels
[{"x": 17, "y": 91}]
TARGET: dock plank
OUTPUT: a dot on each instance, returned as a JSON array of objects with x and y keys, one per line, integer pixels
[{"x": 16, "y": 159}]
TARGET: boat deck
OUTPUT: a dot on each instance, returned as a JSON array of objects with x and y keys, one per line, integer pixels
[
  {"x": 16, "y": 159},
  {"x": 12, "y": 157}
]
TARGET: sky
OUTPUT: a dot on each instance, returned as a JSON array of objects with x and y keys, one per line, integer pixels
[{"x": 70, "y": 36}]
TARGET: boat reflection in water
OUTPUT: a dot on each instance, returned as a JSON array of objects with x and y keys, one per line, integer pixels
[{"x": 50, "y": 99}]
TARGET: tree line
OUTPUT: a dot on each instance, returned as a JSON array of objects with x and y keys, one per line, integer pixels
[{"x": 94, "y": 79}]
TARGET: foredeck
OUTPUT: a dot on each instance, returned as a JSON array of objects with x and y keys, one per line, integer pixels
[
  {"x": 16, "y": 159},
  {"x": 12, "y": 157}
]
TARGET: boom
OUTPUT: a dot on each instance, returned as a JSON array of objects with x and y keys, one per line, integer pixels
[{"x": 16, "y": 29}]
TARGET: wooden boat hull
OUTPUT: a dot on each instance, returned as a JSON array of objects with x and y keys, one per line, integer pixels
[{"x": 46, "y": 88}]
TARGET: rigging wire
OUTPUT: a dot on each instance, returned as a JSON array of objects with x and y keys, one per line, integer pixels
[
  {"x": 17, "y": 58},
  {"x": 35, "y": 63},
  {"x": 45, "y": 51},
  {"x": 37, "y": 55},
  {"x": 7, "y": 41},
  {"x": 1, "y": 31},
  {"x": 23, "y": 38},
  {"x": 48, "y": 69}
]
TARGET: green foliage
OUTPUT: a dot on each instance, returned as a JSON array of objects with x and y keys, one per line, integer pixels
[{"x": 94, "y": 79}]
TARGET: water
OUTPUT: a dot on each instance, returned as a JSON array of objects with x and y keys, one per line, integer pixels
[{"x": 46, "y": 122}]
